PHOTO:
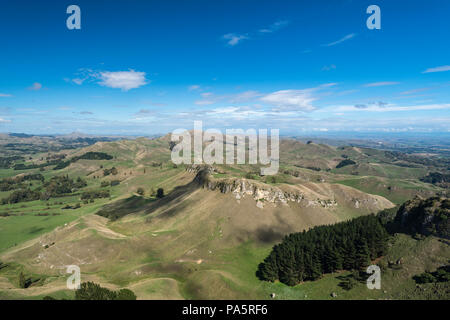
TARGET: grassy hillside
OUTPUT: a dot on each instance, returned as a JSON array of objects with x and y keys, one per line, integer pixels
[{"x": 204, "y": 239}]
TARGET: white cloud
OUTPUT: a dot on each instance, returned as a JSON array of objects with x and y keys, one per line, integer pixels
[
  {"x": 124, "y": 80},
  {"x": 437, "y": 69},
  {"x": 345, "y": 38},
  {"x": 234, "y": 39},
  {"x": 5, "y": 95},
  {"x": 299, "y": 100},
  {"x": 4, "y": 120},
  {"x": 36, "y": 86},
  {"x": 379, "y": 84}
]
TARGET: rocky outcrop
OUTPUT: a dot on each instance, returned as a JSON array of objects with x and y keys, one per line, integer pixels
[
  {"x": 261, "y": 193},
  {"x": 425, "y": 216},
  {"x": 307, "y": 195}
]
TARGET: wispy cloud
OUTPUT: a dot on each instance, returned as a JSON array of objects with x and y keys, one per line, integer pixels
[
  {"x": 245, "y": 96},
  {"x": 274, "y": 26},
  {"x": 236, "y": 38},
  {"x": 299, "y": 100},
  {"x": 379, "y": 104},
  {"x": 5, "y": 95},
  {"x": 375, "y": 107},
  {"x": 35, "y": 86},
  {"x": 194, "y": 87},
  {"x": 124, "y": 80},
  {"x": 345, "y": 38},
  {"x": 210, "y": 98},
  {"x": 4, "y": 120},
  {"x": 380, "y": 84},
  {"x": 328, "y": 68},
  {"x": 81, "y": 76},
  {"x": 78, "y": 81},
  {"x": 156, "y": 104},
  {"x": 205, "y": 102},
  {"x": 327, "y": 85},
  {"x": 414, "y": 91},
  {"x": 233, "y": 38},
  {"x": 145, "y": 114},
  {"x": 345, "y": 92},
  {"x": 437, "y": 69}
]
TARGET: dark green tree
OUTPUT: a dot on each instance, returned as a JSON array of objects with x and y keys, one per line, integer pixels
[
  {"x": 126, "y": 294},
  {"x": 362, "y": 255},
  {"x": 160, "y": 193}
]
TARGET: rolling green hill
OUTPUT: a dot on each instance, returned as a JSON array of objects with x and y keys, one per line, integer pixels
[{"x": 206, "y": 237}]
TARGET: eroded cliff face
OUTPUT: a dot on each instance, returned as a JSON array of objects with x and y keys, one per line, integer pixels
[{"x": 263, "y": 194}]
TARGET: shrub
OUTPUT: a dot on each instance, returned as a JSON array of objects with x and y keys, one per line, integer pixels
[
  {"x": 424, "y": 278},
  {"x": 344, "y": 163},
  {"x": 348, "y": 283},
  {"x": 104, "y": 184},
  {"x": 113, "y": 171},
  {"x": 115, "y": 183},
  {"x": 93, "y": 291},
  {"x": 95, "y": 194},
  {"x": 126, "y": 294}
]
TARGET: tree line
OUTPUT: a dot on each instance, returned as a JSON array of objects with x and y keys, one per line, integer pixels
[
  {"x": 307, "y": 255},
  {"x": 93, "y": 291},
  {"x": 87, "y": 156},
  {"x": 56, "y": 186}
]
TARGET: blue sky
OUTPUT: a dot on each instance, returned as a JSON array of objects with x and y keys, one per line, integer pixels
[{"x": 145, "y": 67}]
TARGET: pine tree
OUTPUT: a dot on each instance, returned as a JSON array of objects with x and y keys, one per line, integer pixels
[
  {"x": 268, "y": 269},
  {"x": 333, "y": 259},
  {"x": 316, "y": 268},
  {"x": 349, "y": 255},
  {"x": 362, "y": 255}
]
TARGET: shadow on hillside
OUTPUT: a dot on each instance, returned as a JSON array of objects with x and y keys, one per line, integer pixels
[
  {"x": 136, "y": 204},
  {"x": 121, "y": 208},
  {"x": 175, "y": 196}
]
